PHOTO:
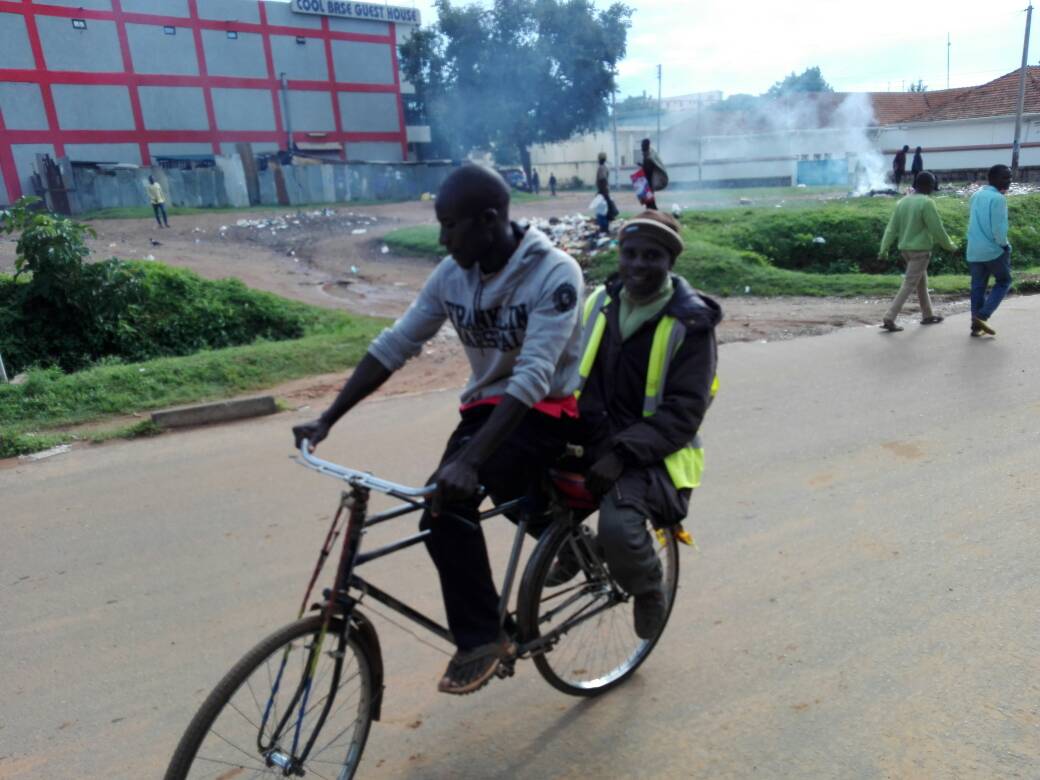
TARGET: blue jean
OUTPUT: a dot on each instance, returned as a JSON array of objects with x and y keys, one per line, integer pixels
[{"x": 983, "y": 306}]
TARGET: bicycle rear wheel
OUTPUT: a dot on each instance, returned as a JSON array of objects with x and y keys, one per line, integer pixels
[
  {"x": 231, "y": 736},
  {"x": 587, "y": 621}
]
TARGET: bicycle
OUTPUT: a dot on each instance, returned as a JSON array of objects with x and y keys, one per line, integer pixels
[{"x": 268, "y": 714}]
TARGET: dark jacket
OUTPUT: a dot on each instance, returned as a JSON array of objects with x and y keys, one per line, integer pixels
[
  {"x": 917, "y": 165},
  {"x": 611, "y": 403}
]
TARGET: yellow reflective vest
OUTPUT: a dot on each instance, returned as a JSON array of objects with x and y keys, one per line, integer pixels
[{"x": 684, "y": 466}]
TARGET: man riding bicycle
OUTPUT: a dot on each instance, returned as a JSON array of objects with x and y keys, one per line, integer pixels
[
  {"x": 514, "y": 301},
  {"x": 647, "y": 379}
]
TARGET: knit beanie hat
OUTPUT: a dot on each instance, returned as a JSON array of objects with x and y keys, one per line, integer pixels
[{"x": 656, "y": 226}]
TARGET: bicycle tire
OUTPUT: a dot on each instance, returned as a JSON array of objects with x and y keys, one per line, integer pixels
[
  {"x": 534, "y": 594},
  {"x": 188, "y": 749}
]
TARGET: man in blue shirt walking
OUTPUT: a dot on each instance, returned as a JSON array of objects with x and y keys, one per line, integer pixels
[{"x": 989, "y": 252}]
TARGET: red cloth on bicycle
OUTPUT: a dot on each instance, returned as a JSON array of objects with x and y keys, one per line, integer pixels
[{"x": 554, "y": 407}]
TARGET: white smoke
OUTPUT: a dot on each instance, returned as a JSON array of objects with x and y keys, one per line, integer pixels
[
  {"x": 858, "y": 126},
  {"x": 799, "y": 127}
]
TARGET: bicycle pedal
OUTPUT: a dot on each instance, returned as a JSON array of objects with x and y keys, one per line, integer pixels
[{"x": 505, "y": 669}]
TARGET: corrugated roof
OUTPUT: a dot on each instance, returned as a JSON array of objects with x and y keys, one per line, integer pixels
[{"x": 995, "y": 98}]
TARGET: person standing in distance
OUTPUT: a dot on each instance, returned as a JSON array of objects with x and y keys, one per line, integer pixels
[
  {"x": 158, "y": 201},
  {"x": 899, "y": 165}
]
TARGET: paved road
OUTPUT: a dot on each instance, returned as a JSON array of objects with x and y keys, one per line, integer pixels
[{"x": 864, "y": 605}]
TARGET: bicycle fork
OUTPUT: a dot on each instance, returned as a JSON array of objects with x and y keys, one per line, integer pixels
[{"x": 356, "y": 503}]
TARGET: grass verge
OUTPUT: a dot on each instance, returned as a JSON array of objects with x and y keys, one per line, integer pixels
[{"x": 31, "y": 412}]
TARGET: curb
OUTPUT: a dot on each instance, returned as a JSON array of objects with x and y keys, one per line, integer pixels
[{"x": 222, "y": 411}]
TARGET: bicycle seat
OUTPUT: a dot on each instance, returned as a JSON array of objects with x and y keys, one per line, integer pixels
[{"x": 571, "y": 487}]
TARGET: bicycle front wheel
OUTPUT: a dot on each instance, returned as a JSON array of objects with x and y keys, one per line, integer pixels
[
  {"x": 591, "y": 644},
  {"x": 262, "y": 714}
]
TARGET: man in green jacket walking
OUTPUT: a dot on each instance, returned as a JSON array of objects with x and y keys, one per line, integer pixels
[{"x": 916, "y": 228}]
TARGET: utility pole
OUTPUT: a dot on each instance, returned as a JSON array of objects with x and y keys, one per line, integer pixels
[
  {"x": 700, "y": 139},
  {"x": 3, "y": 371},
  {"x": 658, "y": 109},
  {"x": 613, "y": 114},
  {"x": 1021, "y": 95},
  {"x": 284, "y": 81},
  {"x": 947, "y": 60}
]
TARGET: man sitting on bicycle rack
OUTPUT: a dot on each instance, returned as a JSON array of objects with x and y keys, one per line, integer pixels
[
  {"x": 647, "y": 379},
  {"x": 513, "y": 299}
]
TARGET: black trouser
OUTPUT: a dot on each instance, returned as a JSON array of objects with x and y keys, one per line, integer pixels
[
  {"x": 514, "y": 470},
  {"x": 160, "y": 208},
  {"x": 628, "y": 547}
]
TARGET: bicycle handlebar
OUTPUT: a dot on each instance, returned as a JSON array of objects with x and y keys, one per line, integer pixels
[{"x": 361, "y": 477}]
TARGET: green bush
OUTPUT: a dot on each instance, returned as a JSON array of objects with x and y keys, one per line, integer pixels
[
  {"x": 852, "y": 232},
  {"x": 61, "y": 311}
]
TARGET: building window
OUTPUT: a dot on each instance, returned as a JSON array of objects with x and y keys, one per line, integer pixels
[
  {"x": 167, "y": 30},
  {"x": 301, "y": 40},
  {"x": 79, "y": 24},
  {"x": 232, "y": 35}
]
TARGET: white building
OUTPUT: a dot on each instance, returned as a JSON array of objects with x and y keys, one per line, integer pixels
[{"x": 820, "y": 137}]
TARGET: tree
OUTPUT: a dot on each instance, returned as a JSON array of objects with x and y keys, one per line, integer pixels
[
  {"x": 918, "y": 86},
  {"x": 519, "y": 73},
  {"x": 809, "y": 80}
]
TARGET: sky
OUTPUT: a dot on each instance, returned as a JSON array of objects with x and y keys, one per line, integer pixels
[{"x": 873, "y": 46}]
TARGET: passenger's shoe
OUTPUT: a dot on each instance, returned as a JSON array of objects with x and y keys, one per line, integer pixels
[
  {"x": 935, "y": 319},
  {"x": 649, "y": 610},
  {"x": 567, "y": 564},
  {"x": 890, "y": 326},
  {"x": 977, "y": 323},
  {"x": 470, "y": 670}
]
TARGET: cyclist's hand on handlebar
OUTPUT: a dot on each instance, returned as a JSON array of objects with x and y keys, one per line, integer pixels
[
  {"x": 455, "y": 481},
  {"x": 604, "y": 473},
  {"x": 313, "y": 431}
]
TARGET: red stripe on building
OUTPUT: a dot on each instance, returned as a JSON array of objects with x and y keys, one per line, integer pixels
[
  {"x": 271, "y": 75},
  {"x": 200, "y": 56},
  {"x": 337, "y": 117},
  {"x": 7, "y": 166},
  {"x": 41, "y": 65},
  {"x": 128, "y": 66},
  {"x": 396, "y": 86}
]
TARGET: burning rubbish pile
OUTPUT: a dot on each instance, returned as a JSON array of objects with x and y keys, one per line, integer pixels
[{"x": 577, "y": 235}]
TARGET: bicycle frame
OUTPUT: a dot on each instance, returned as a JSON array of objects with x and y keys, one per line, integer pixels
[{"x": 339, "y": 601}]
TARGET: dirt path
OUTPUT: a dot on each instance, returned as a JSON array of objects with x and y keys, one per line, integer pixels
[{"x": 334, "y": 257}]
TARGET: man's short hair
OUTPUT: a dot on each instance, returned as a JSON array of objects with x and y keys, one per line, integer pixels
[
  {"x": 998, "y": 172},
  {"x": 925, "y": 177}
]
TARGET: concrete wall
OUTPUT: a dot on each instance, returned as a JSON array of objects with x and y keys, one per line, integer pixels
[
  {"x": 15, "y": 51},
  {"x": 93, "y": 50},
  {"x": 22, "y": 106},
  {"x": 225, "y": 184},
  {"x": 243, "y": 109},
  {"x": 173, "y": 108},
  {"x": 82, "y": 107},
  {"x": 774, "y": 157},
  {"x": 242, "y": 56},
  {"x": 370, "y": 112},
  {"x": 153, "y": 51},
  {"x": 311, "y": 110}
]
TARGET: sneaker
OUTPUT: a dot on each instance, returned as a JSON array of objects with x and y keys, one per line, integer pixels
[
  {"x": 977, "y": 323},
  {"x": 650, "y": 610},
  {"x": 935, "y": 319},
  {"x": 471, "y": 670},
  {"x": 890, "y": 326}
]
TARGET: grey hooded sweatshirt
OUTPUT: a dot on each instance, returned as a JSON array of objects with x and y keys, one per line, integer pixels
[{"x": 521, "y": 327}]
